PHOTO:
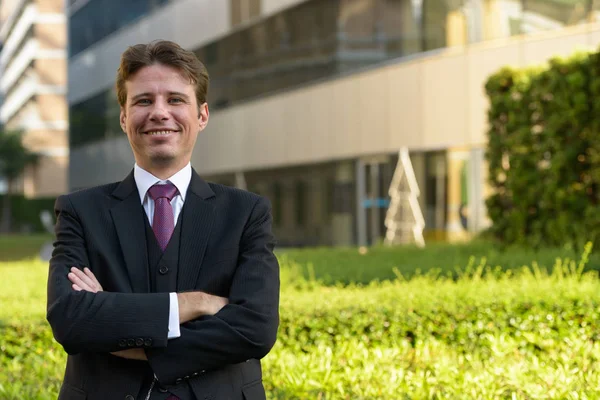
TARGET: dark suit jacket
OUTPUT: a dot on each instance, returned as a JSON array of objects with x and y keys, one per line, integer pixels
[{"x": 226, "y": 249}]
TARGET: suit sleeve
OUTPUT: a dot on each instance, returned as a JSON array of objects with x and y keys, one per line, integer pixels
[
  {"x": 246, "y": 328},
  {"x": 97, "y": 322}
]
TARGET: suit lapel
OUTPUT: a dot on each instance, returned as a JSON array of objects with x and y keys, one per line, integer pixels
[
  {"x": 196, "y": 226},
  {"x": 128, "y": 216}
]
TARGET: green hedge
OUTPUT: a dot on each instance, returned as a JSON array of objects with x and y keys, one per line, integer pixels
[
  {"x": 544, "y": 152},
  {"x": 26, "y": 212},
  {"x": 502, "y": 335}
]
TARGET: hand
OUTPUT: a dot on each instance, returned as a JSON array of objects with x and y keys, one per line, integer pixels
[
  {"x": 213, "y": 304},
  {"x": 131, "y": 354},
  {"x": 84, "y": 280},
  {"x": 193, "y": 305}
]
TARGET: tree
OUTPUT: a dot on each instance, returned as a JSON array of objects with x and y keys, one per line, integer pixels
[{"x": 14, "y": 158}]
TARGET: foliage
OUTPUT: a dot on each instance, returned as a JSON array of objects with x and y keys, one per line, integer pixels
[
  {"x": 26, "y": 212},
  {"x": 527, "y": 333},
  {"x": 14, "y": 158},
  {"x": 544, "y": 152}
]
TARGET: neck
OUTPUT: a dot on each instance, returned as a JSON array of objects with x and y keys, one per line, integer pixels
[{"x": 163, "y": 171}]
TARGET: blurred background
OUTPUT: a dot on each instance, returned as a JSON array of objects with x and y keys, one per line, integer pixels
[
  {"x": 471, "y": 126},
  {"x": 311, "y": 100}
]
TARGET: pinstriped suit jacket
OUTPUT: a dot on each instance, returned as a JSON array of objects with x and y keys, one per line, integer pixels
[{"x": 226, "y": 249}]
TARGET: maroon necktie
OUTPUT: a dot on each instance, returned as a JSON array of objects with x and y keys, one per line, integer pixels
[{"x": 163, "y": 222}]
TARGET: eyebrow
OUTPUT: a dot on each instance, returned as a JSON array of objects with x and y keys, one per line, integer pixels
[{"x": 148, "y": 94}]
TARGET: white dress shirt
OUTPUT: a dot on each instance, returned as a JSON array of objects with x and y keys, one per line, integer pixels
[{"x": 144, "y": 181}]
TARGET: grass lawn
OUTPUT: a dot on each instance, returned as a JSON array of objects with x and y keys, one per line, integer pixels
[
  {"x": 508, "y": 333},
  {"x": 349, "y": 265},
  {"x": 22, "y": 247}
]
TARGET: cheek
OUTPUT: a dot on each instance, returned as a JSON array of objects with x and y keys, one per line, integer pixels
[
  {"x": 134, "y": 120},
  {"x": 189, "y": 120}
]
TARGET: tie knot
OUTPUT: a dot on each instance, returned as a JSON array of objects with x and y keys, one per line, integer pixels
[{"x": 167, "y": 191}]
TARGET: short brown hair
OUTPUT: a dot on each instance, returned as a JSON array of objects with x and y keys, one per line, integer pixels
[{"x": 166, "y": 53}]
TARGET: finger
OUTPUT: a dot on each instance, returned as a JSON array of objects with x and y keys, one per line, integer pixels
[
  {"x": 76, "y": 278},
  {"x": 75, "y": 287},
  {"x": 84, "y": 278},
  {"x": 77, "y": 281},
  {"x": 91, "y": 275},
  {"x": 88, "y": 272}
]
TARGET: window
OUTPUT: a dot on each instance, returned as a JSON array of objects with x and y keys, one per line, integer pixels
[
  {"x": 87, "y": 120},
  {"x": 300, "y": 203},
  {"x": 553, "y": 14},
  {"x": 99, "y": 18},
  {"x": 277, "y": 214}
]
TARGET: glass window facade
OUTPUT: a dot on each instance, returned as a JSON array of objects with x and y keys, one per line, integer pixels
[
  {"x": 94, "y": 119},
  {"x": 545, "y": 15},
  {"x": 319, "y": 39},
  {"x": 99, "y": 18}
]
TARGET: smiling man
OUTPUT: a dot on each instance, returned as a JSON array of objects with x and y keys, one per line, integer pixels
[{"x": 163, "y": 286}]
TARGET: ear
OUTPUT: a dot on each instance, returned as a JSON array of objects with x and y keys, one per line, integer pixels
[
  {"x": 123, "y": 120},
  {"x": 203, "y": 115}
]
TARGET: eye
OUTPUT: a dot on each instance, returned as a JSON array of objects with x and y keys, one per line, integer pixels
[
  {"x": 143, "y": 101},
  {"x": 176, "y": 100}
]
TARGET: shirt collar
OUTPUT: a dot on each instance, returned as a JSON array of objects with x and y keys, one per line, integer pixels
[{"x": 145, "y": 180}]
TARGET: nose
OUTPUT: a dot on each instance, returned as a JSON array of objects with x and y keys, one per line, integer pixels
[{"x": 159, "y": 112}]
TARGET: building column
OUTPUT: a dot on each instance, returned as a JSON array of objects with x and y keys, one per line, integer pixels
[
  {"x": 494, "y": 24},
  {"x": 486, "y": 191},
  {"x": 456, "y": 161},
  {"x": 343, "y": 213},
  {"x": 476, "y": 188}
]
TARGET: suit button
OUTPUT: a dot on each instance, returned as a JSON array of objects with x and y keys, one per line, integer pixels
[
  {"x": 178, "y": 381},
  {"x": 163, "y": 269},
  {"x": 139, "y": 342},
  {"x": 186, "y": 378},
  {"x": 148, "y": 342},
  {"x": 129, "y": 397},
  {"x": 195, "y": 374},
  {"x": 130, "y": 342},
  {"x": 162, "y": 389},
  {"x": 122, "y": 343}
]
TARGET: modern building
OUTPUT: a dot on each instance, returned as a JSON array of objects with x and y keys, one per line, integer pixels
[
  {"x": 33, "y": 82},
  {"x": 3, "y": 185},
  {"x": 312, "y": 100}
]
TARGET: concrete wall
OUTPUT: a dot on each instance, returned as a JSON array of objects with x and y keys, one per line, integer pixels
[{"x": 434, "y": 101}]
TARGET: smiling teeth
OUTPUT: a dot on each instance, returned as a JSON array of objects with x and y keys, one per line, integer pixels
[{"x": 157, "y": 133}]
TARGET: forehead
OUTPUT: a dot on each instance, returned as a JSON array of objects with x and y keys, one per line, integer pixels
[{"x": 158, "y": 78}]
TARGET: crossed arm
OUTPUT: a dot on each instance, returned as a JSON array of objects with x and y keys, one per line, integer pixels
[
  {"x": 192, "y": 305},
  {"x": 214, "y": 331}
]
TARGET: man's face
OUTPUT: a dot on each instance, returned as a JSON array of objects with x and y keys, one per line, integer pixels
[{"x": 161, "y": 117}]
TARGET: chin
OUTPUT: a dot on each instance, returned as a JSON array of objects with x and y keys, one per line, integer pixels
[{"x": 163, "y": 158}]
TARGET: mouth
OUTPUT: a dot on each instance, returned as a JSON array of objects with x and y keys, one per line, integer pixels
[{"x": 160, "y": 133}]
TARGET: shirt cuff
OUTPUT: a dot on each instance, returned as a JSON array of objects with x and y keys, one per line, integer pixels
[{"x": 174, "y": 331}]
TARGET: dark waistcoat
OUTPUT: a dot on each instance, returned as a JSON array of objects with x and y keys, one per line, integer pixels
[{"x": 162, "y": 269}]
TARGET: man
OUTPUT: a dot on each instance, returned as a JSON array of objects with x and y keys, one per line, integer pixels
[{"x": 163, "y": 286}]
